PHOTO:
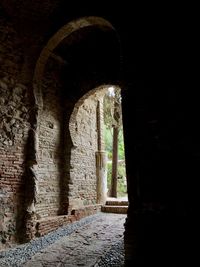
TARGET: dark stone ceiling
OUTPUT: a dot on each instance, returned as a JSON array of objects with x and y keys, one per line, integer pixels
[
  {"x": 31, "y": 9},
  {"x": 148, "y": 36}
]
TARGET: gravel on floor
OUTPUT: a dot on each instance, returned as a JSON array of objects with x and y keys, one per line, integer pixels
[
  {"x": 15, "y": 257},
  {"x": 114, "y": 257}
]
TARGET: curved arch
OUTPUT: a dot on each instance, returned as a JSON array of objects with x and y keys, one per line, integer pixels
[
  {"x": 86, "y": 123},
  {"x": 56, "y": 39},
  {"x": 63, "y": 33},
  {"x": 79, "y": 103}
]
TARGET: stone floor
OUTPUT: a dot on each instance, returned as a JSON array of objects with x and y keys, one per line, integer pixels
[{"x": 86, "y": 246}]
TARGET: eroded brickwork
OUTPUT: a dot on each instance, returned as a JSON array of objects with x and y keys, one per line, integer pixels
[
  {"x": 83, "y": 128},
  {"x": 46, "y": 225},
  {"x": 14, "y": 126},
  {"x": 38, "y": 184},
  {"x": 50, "y": 151}
]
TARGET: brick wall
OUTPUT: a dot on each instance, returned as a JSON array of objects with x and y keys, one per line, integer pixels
[
  {"x": 15, "y": 122},
  {"x": 14, "y": 125},
  {"x": 49, "y": 224},
  {"x": 83, "y": 129},
  {"x": 49, "y": 169},
  {"x": 53, "y": 171}
]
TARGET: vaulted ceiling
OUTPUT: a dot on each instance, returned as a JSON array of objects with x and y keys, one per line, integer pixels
[
  {"x": 31, "y": 9},
  {"x": 149, "y": 37}
]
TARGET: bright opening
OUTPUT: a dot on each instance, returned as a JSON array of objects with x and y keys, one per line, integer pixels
[{"x": 114, "y": 143}]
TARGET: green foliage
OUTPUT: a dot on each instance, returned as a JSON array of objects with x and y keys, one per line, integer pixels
[
  {"x": 121, "y": 154},
  {"x": 108, "y": 141},
  {"x": 112, "y": 119},
  {"x": 108, "y": 138},
  {"x": 108, "y": 110},
  {"x": 121, "y": 180},
  {"x": 112, "y": 108}
]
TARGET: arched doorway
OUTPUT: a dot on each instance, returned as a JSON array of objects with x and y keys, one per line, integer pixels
[
  {"x": 88, "y": 158},
  {"x": 82, "y": 55}
]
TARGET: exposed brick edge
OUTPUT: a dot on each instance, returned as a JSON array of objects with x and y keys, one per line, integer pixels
[
  {"x": 49, "y": 224},
  {"x": 115, "y": 209},
  {"x": 116, "y": 203}
]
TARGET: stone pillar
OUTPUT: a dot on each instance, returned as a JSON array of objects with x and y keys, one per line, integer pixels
[
  {"x": 100, "y": 123},
  {"x": 101, "y": 157},
  {"x": 101, "y": 170}
]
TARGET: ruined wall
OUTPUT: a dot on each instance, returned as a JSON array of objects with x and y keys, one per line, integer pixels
[
  {"x": 16, "y": 118},
  {"x": 83, "y": 129},
  {"x": 50, "y": 158},
  {"x": 62, "y": 178},
  {"x": 14, "y": 125}
]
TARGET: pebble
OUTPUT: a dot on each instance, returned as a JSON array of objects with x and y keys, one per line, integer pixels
[
  {"x": 99, "y": 244},
  {"x": 15, "y": 257}
]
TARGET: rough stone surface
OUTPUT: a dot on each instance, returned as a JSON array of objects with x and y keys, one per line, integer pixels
[
  {"x": 51, "y": 169},
  {"x": 14, "y": 112},
  {"x": 49, "y": 224},
  {"x": 93, "y": 241},
  {"x": 54, "y": 173},
  {"x": 160, "y": 106},
  {"x": 50, "y": 151},
  {"x": 34, "y": 190},
  {"x": 83, "y": 129},
  {"x": 85, "y": 246},
  {"x": 14, "y": 126},
  {"x": 114, "y": 257}
]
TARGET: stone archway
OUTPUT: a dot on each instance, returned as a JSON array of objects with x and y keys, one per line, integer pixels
[
  {"x": 86, "y": 130},
  {"x": 62, "y": 34},
  {"x": 47, "y": 54}
]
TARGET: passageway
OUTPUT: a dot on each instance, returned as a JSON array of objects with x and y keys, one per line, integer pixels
[{"x": 93, "y": 241}]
